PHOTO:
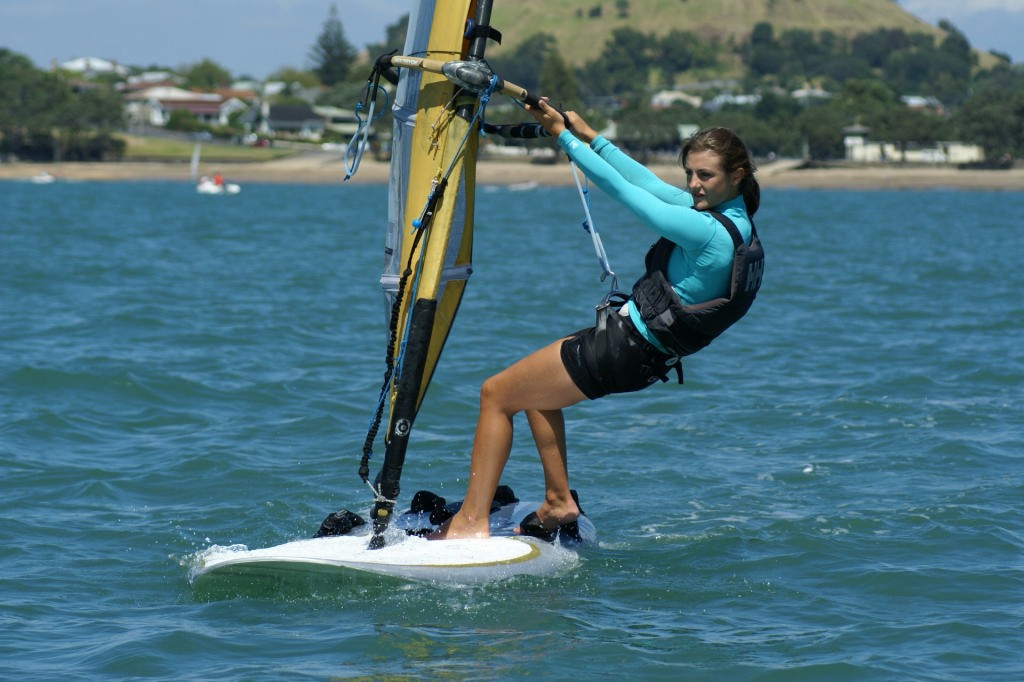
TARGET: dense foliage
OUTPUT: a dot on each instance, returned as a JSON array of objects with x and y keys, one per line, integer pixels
[
  {"x": 858, "y": 81},
  {"x": 206, "y": 75},
  {"x": 44, "y": 115},
  {"x": 332, "y": 55}
]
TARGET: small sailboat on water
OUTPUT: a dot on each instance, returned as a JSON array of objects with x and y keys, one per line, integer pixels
[{"x": 205, "y": 184}]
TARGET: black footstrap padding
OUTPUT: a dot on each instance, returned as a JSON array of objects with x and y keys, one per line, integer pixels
[{"x": 340, "y": 522}]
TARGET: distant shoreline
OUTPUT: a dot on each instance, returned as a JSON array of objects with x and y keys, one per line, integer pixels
[{"x": 328, "y": 168}]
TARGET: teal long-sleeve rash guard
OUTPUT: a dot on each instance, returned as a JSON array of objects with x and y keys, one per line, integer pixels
[{"x": 701, "y": 266}]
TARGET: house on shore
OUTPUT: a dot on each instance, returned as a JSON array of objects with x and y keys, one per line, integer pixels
[
  {"x": 91, "y": 66},
  {"x": 299, "y": 121},
  {"x": 861, "y": 149},
  {"x": 154, "y": 105}
]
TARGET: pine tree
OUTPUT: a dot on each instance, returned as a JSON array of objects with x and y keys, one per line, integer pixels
[{"x": 332, "y": 56}]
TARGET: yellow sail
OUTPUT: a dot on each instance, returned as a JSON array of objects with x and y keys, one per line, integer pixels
[
  {"x": 440, "y": 141},
  {"x": 428, "y": 254}
]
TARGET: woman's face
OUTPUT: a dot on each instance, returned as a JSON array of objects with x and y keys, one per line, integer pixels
[{"x": 707, "y": 182}]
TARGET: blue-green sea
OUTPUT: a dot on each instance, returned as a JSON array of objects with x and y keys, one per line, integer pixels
[{"x": 835, "y": 493}]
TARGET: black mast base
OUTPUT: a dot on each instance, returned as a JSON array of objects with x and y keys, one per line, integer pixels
[{"x": 382, "y": 513}]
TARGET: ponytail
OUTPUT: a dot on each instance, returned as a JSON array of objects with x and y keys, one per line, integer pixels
[{"x": 751, "y": 191}]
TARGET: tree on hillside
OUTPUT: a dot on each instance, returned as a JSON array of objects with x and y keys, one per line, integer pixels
[
  {"x": 680, "y": 51},
  {"x": 864, "y": 97},
  {"x": 332, "y": 55},
  {"x": 904, "y": 126},
  {"x": 42, "y": 118},
  {"x": 345, "y": 95},
  {"x": 763, "y": 56},
  {"x": 183, "y": 121},
  {"x": 875, "y": 47},
  {"x": 94, "y": 109},
  {"x": 523, "y": 65},
  {"x": 394, "y": 39},
  {"x": 952, "y": 65},
  {"x": 956, "y": 46},
  {"x": 206, "y": 75},
  {"x": 761, "y": 136},
  {"x": 774, "y": 106},
  {"x": 803, "y": 51},
  {"x": 623, "y": 67},
  {"x": 643, "y": 130},
  {"x": 558, "y": 82},
  {"x": 29, "y": 98},
  {"x": 994, "y": 119},
  {"x": 288, "y": 74},
  {"x": 821, "y": 130}
]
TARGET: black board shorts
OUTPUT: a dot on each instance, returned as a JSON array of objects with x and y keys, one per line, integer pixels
[{"x": 612, "y": 357}]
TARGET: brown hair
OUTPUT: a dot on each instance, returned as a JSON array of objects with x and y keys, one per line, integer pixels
[{"x": 735, "y": 155}]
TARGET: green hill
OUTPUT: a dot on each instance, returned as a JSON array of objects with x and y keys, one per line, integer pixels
[{"x": 582, "y": 26}]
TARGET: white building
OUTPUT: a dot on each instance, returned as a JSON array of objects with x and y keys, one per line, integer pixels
[
  {"x": 666, "y": 98},
  {"x": 153, "y": 106},
  {"x": 91, "y": 66},
  {"x": 810, "y": 94},
  {"x": 862, "y": 150}
]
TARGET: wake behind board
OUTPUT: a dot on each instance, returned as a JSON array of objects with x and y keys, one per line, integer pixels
[{"x": 408, "y": 557}]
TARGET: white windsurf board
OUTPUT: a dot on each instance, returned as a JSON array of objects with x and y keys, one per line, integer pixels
[
  {"x": 404, "y": 556},
  {"x": 499, "y": 557},
  {"x": 413, "y": 558}
]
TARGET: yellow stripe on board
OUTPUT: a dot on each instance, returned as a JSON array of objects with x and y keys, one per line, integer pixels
[{"x": 533, "y": 553}]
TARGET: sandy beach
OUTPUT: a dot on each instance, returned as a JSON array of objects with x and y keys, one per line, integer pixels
[{"x": 326, "y": 167}]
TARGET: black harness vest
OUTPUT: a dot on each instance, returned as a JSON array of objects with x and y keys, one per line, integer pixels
[{"x": 684, "y": 329}]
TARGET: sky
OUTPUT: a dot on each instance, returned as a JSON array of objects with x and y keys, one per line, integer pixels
[
  {"x": 988, "y": 24},
  {"x": 258, "y": 37},
  {"x": 247, "y": 37}
]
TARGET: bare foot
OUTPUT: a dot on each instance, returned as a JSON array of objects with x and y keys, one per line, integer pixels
[
  {"x": 554, "y": 514},
  {"x": 459, "y": 528}
]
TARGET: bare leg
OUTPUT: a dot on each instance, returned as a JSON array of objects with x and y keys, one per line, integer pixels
[
  {"x": 548, "y": 428},
  {"x": 537, "y": 382}
]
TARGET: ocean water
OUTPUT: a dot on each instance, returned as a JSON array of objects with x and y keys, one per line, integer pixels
[{"x": 835, "y": 493}]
